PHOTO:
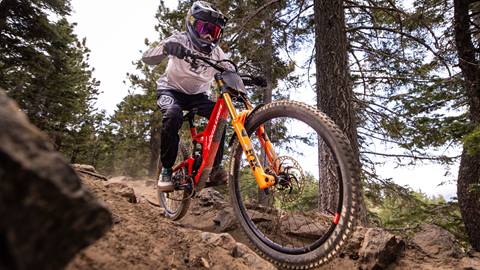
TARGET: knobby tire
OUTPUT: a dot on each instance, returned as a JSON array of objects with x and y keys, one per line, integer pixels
[{"x": 350, "y": 187}]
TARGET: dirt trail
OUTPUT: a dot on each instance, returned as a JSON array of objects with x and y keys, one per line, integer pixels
[{"x": 143, "y": 239}]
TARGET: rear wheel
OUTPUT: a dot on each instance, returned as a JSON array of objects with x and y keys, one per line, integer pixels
[
  {"x": 176, "y": 203},
  {"x": 308, "y": 214}
]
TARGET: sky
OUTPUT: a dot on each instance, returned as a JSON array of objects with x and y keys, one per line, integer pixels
[{"x": 115, "y": 32}]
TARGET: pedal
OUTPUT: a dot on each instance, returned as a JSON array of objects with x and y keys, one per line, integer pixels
[{"x": 183, "y": 187}]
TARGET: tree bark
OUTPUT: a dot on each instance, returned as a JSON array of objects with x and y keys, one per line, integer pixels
[
  {"x": 267, "y": 91},
  {"x": 469, "y": 172},
  {"x": 334, "y": 89}
]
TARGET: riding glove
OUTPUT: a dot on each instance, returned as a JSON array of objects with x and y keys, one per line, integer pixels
[{"x": 175, "y": 49}]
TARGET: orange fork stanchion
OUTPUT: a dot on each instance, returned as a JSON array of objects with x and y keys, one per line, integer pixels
[{"x": 263, "y": 180}]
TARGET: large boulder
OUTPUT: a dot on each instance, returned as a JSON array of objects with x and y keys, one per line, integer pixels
[
  {"x": 46, "y": 214},
  {"x": 379, "y": 249},
  {"x": 436, "y": 242}
]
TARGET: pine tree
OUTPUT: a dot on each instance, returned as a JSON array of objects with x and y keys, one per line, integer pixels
[
  {"x": 44, "y": 68},
  {"x": 334, "y": 89},
  {"x": 130, "y": 131},
  {"x": 468, "y": 48}
]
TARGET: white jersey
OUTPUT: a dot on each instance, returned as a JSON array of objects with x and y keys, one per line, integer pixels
[{"x": 179, "y": 75}]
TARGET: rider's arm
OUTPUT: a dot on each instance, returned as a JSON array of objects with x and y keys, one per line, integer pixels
[
  {"x": 220, "y": 55},
  {"x": 155, "y": 55}
]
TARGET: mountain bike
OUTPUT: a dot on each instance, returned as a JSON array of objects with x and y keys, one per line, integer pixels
[{"x": 293, "y": 181}]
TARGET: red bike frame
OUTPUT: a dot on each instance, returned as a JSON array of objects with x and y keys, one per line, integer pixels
[{"x": 210, "y": 140}]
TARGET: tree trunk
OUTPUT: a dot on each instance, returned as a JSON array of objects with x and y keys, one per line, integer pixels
[
  {"x": 333, "y": 88},
  {"x": 267, "y": 91},
  {"x": 469, "y": 172}
]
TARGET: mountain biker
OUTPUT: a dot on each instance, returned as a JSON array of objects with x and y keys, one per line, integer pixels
[{"x": 183, "y": 87}]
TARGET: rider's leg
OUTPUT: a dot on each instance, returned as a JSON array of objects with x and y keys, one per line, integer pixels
[{"x": 171, "y": 124}]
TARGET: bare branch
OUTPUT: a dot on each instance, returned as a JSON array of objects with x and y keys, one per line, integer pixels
[
  {"x": 406, "y": 35},
  {"x": 409, "y": 156},
  {"x": 246, "y": 20}
]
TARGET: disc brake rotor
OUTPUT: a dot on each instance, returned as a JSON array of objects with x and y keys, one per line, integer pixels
[{"x": 291, "y": 179}]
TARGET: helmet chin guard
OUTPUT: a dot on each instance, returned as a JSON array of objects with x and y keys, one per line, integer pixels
[{"x": 204, "y": 25}]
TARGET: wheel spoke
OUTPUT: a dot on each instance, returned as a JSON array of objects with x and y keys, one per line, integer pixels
[{"x": 314, "y": 184}]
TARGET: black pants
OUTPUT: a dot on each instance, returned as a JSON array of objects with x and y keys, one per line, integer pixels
[{"x": 172, "y": 103}]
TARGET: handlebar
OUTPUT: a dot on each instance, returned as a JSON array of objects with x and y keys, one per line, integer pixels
[
  {"x": 248, "y": 80},
  {"x": 192, "y": 58}
]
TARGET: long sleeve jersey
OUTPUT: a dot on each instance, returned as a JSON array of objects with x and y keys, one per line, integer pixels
[{"x": 179, "y": 75}]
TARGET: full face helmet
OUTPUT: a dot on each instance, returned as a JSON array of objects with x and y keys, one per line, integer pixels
[{"x": 204, "y": 25}]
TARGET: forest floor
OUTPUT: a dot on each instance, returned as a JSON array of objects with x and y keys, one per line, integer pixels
[{"x": 208, "y": 237}]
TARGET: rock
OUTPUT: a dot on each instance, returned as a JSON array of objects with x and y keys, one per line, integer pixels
[
  {"x": 83, "y": 167},
  {"x": 209, "y": 197},
  {"x": 471, "y": 262},
  {"x": 250, "y": 258},
  {"x": 89, "y": 170},
  {"x": 436, "y": 242},
  {"x": 224, "y": 240},
  {"x": 354, "y": 244},
  {"x": 223, "y": 246},
  {"x": 46, "y": 214},
  {"x": 225, "y": 220},
  {"x": 379, "y": 249},
  {"x": 123, "y": 190}
]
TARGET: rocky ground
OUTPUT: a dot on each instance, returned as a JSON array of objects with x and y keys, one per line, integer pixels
[
  {"x": 49, "y": 214},
  {"x": 142, "y": 239},
  {"x": 209, "y": 238}
]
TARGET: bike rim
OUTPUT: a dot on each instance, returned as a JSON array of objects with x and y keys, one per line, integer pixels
[
  {"x": 264, "y": 237},
  {"x": 172, "y": 207}
]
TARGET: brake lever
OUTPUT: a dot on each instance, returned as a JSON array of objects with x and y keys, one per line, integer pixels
[
  {"x": 194, "y": 63},
  {"x": 191, "y": 59}
]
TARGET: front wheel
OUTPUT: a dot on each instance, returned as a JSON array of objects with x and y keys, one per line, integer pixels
[{"x": 308, "y": 214}]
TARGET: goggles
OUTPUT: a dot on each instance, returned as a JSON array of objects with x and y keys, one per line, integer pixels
[{"x": 205, "y": 29}]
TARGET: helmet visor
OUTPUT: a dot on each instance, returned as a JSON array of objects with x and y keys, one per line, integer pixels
[{"x": 208, "y": 30}]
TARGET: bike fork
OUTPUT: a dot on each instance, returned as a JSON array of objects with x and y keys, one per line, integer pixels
[{"x": 264, "y": 180}]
